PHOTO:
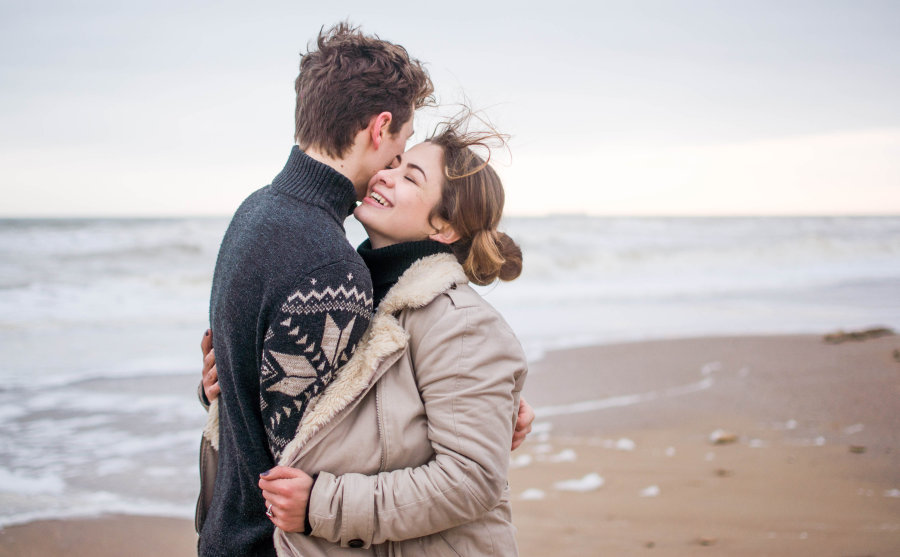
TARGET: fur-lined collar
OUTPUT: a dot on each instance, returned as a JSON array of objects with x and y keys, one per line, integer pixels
[
  {"x": 380, "y": 346},
  {"x": 425, "y": 280}
]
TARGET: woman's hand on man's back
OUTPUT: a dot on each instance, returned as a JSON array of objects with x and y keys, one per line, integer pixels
[{"x": 210, "y": 375}]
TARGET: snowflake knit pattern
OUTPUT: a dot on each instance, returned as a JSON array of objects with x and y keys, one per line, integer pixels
[{"x": 306, "y": 345}]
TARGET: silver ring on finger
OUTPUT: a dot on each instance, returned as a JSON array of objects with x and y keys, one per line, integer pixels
[{"x": 269, "y": 512}]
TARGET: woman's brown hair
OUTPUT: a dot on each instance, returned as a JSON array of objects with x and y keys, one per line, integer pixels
[{"x": 472, "y": 199}]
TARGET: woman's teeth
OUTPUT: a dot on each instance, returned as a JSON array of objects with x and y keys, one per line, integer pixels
[{"x": 377, "y": 197}]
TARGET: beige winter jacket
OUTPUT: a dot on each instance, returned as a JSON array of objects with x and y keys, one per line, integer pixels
[{"x": 411, "y": 440}]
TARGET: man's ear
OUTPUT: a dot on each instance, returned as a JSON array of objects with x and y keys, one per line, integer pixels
[
  {"x": 379, "y": 128},
  {"x": 446, "y": 234}
]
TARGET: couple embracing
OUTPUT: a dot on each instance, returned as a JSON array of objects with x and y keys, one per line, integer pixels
[{"x": 363, "y": 402}]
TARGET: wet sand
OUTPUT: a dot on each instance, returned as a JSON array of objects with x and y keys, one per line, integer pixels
[{"x": 807, "y": 463}]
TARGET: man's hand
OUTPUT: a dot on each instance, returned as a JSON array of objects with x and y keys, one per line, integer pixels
[
  {"x": 286, "y": 491},
  {"x": 210, "y": 379},
  {"x": 523, "y": 423}
]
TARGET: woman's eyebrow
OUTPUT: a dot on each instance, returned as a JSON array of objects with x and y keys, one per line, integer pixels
[{"x": 417, "y": 167}]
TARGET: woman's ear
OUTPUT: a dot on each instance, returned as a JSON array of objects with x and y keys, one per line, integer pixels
[
  {"x": 446, "y": 234},
  {"x": 379, "y": 128}
]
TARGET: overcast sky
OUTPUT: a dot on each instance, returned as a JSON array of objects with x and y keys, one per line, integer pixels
[{"x": 619, "y": 108}]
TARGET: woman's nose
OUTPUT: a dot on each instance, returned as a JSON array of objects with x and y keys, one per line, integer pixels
[{"x": 386, "y": 177}]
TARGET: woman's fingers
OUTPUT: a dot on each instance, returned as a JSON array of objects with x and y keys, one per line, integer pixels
[
  {"x": 209, "y": 360},
  {"x": 206, "y": 342},
  {"x": 210, "y": 376},
  {"x": 524, "y": 420},
  {"x": 287, "y": 490},
  {"x": 212, "y": 392},
  {"x": 210, "y": 373},
  {"x": 277, "y": 501}
]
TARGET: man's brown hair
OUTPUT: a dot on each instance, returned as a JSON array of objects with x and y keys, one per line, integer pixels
[{"x": 349, "y": 78}]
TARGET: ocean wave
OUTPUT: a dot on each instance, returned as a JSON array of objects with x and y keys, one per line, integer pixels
[
  {"x": 123, "y": 372},
  {"x": 91, "y": 505},
  {"x": 108, "y": 237},
  {"x": 135, "y": 253},
  {"x": 30, "y": 484}
]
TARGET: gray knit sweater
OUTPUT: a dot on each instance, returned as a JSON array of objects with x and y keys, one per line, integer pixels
[{"x": 290, "y": 300}]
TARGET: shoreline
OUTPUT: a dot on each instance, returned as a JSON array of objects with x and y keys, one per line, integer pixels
[{"x": 811, "y": 466}]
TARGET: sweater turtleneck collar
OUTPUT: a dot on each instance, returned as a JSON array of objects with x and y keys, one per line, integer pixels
[
  {"x": 316, "y": 183},
  {"x": 388, "y": 263}
]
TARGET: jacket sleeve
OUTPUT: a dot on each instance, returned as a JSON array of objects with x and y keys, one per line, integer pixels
[
  {"x": 312, "y": 330},
  {"x": 470, "y": 369}
]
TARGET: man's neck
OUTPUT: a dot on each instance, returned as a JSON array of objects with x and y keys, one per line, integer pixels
[{"x": 348, "y": 166}]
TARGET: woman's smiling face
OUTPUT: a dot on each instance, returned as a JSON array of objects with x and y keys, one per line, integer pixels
[{"x": 400, "y": 199}]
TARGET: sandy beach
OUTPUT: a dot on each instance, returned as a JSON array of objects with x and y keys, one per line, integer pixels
[{"x": 781, "y": 446}]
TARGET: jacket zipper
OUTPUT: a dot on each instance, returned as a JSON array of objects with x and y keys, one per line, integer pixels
[{"x": 380, "y": 420}]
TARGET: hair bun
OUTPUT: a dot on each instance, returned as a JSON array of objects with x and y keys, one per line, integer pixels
[
  {"x": 512, "y": 257},
  {"x": 492, "y": 255}
]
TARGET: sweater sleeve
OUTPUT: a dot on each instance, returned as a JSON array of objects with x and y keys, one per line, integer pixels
[
  {"x": 470, "y": 370},
  {"x": 312, "y": 331}
]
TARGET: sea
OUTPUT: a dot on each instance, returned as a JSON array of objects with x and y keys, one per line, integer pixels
[{"x": 101, "y": 321}]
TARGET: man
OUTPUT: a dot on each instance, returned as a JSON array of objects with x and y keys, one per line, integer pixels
[{"x": 290, "y": 296}]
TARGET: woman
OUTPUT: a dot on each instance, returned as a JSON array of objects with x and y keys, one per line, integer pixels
[{"x": 406, "y": 451}]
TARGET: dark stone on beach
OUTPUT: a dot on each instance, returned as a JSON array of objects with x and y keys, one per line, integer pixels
[
  {"x": 857, "y": 449},
  {"x": 842, "y": 336}
]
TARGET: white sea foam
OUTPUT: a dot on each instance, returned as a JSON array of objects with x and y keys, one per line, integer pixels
[
  {"x": 532, "y": 494},
  {"x": 111, "y": 466},
  {"x": 650, "y": 491},
  {"x": 567, "y": 455},
  {"x": 623, "y": 400},
  {"x": 589, "y": 482},
  {"x": 83, "y": 505},
  {"x": 521, "y": 461},
  {"x": 625, "y": 444},
  {"x": 24, "y": 483},
  {"x": 711, "y": 367}
]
